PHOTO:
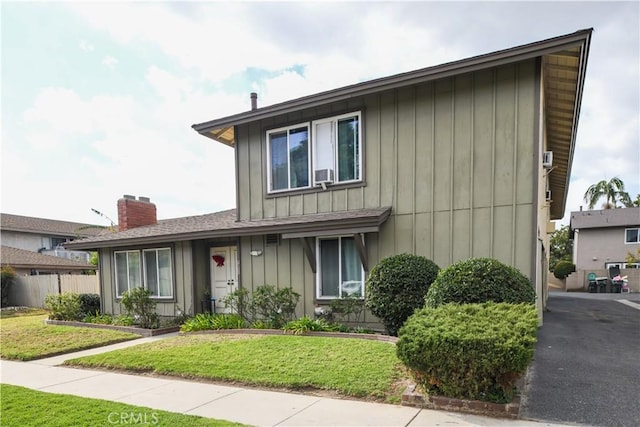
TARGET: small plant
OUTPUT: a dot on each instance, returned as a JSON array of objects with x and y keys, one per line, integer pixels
[
  {"x": 208, "y": 321},
  {"x": 469, "y": 351},
  {"x": 563, "y": 269},
  {"x": 123, "y": 320},
  {"x": 227, "y": 321},
  {"x": 348, "y": 306},
  {"x": 137, "y": 302},
  {"x": 306, "y": 324},
  {"x": 89, "y": 303},
  {"x": 239, "y": 301},
  {"x": 260, "y": 324},
  {"x": 478, "y": 280},
  {"x": 99, "y": 318},
  {"x": 7, "y": 278},
  {"x": 64, "y": 306},
  {"x": 277, "y": 306},
  {"x": 397, "y": 286}
]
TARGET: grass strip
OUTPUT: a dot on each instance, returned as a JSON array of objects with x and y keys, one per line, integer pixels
[
  {"x": 351, "y": 367},
  {"x": 23, "y": 407},
  {"x": 26, "y": 337}
]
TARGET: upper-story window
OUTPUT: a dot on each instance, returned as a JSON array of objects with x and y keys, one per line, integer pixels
[
  {"x": 632, "y": 235},
  {"x": 324, "y": 151}
]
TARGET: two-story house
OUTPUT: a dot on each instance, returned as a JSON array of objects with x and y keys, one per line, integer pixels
[{"x": 466, "y": 159}]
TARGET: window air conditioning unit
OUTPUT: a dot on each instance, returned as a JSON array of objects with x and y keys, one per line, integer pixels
[
  {"x": 323, "y": 176},
  {"x": 547, "y": 195},
  {"x": 547, "y": 159}
]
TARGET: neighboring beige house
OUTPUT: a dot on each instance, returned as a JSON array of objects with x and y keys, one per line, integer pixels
[
  {"x": 466, "y": 159},
  {"x": 26, "y": 263},
  {"x": 604, "y": 238}
]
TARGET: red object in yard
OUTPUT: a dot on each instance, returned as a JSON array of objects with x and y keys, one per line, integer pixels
[{"x": 219, "y": 260}]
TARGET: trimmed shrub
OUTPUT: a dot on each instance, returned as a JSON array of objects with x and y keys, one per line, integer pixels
[
  {"x": 138, "y": 304},
  {"x": 275, "y": 306},
  {"x": 306, "y": 324},
  {"x": 478, "y": 280},
  {"x": 563, "y": 268},
  {"x": 89, "y": 304},
  {"x": 469, "y": 351},
  {"x": 396, "y": 287},
  {"x": 7, "y": 277},
  {"x": 64, "y": 306}
]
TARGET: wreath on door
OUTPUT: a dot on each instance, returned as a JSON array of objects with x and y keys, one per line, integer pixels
[{"x": 219, "y": 259}]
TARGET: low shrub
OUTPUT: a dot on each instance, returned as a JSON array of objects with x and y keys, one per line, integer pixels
[
  {"x": 64, "y": 306},
  {"x": 306, "y": 324},
  {"x": 7, "y": 278},
  {"x": 209, "y": 321},
  {"x": 478, "y": 280},
  {"x": 89, "y": 304},
  {"x": 137, "y": 303},
  {"x": 396, "y": 287},
  {"x": 346, "y": 307},
  {"x": 99, "y": 318},
  {"x": 277, "y": 306},
  {"x": 563, "y": 268},
  {"x": 123, "y": 320},
  {"x": 469, "y": 351},
  {"x": 239, "y": 301}
]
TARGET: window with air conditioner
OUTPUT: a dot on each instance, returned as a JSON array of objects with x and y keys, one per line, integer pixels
[{"x": 326, "y": 151}]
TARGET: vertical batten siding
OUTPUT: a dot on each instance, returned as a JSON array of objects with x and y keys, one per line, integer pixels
[{"x": 454, "y": 158}]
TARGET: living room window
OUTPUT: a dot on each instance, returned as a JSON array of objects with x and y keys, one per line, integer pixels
[
  {"x": 321, "y": 152},
  {"x": 339, "y": 267},
  {"x": 632, "y": 235},
  {"x": 150, "y": 268}
]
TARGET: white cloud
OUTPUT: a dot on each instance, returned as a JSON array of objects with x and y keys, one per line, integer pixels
[
  {"x": 86, "y": 46},
  {"x": 110, "y": 61}
]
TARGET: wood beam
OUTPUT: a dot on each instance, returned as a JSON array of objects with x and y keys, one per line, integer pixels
[
  {"x": 309, "y": 252},
  {"x": 359, "y": 239}
]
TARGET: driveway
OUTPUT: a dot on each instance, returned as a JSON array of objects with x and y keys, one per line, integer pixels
[{"x": 587, "y": 361}]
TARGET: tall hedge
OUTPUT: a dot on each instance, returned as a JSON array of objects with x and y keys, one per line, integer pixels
[
  {"x": 397, "y": 286},
  {"x": 469, "y": 351},
  {"x": 478, "y": 280}
]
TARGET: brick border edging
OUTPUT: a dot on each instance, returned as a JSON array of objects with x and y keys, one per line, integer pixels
[
  {"x": 373, "y": 337},
  {"x": 412, "y": 397},
  {"x": 131, "y": 329}
]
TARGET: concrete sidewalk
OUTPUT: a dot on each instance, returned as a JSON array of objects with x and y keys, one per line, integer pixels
[{"x": 243, "y": 405}]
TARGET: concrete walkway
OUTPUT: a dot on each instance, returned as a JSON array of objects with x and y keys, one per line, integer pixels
[{"x": 243, "y": 405}]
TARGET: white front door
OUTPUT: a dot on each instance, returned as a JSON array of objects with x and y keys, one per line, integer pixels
[{"x": 224, "y": 274}]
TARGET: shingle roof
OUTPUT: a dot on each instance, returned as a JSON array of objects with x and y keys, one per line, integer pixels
[
  {"x": 28, "y": 224},
  {"x": 604, "y": 218},
  {"x": 20, "y": 258},
  {"x": 224, "y": 224}
]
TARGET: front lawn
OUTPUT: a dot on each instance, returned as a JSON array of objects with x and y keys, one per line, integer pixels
[
  {"x": 351, "y": 367},
  {"x": 25, "y": 336},
  {"x": 23, "y": 407}
]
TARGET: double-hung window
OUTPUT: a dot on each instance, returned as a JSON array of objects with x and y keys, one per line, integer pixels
[
  {"x": 340, "y": 270},
  {"x": 325, "y": 151},
  {"x": 632, "y": 235},
  {"x": 149, "y": 268}
]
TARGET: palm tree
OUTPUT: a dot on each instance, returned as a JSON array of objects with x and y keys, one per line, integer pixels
[{"x": 612, "y": 190}]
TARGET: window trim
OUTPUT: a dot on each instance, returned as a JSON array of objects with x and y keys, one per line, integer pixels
[
  {"x": 142, "y": 272},
  {"x": 318, "y": 275},
  {"x": 310, "y": 124},
  {"x": 637, "y": 236},
  {"x": 270, "y": 189}
]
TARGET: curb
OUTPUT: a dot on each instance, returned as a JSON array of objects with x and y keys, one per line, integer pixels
[
  {"x": 372, "y": 337},
  {"x": 131, "y": 329}
]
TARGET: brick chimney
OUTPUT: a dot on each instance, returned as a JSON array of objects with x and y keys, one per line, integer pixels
[{"x": 135, "y": 213}]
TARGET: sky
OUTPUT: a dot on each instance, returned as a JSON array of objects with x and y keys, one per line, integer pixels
[{"x": 98, "y": 99}]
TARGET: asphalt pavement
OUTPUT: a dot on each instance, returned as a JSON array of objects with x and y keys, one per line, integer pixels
[{"x": 587, "y": 361}]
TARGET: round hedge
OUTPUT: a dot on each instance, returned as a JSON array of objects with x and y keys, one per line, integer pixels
[
  {"x": 397, "y": 286},
  {"x": 563, "y": 268},
  {"x": 479, "y": 280}
]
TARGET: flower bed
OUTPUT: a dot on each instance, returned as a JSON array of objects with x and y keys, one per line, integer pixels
[{"x": 132, "y": 329}]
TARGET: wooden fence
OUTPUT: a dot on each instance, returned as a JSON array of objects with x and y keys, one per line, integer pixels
[{"x": 30, "y": 291}]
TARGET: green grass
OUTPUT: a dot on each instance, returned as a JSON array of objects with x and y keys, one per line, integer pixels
[
  {"x": 23, "y": 407},
  {"x": 25, "y": 336},
  {"x": 351, "y": 367}
]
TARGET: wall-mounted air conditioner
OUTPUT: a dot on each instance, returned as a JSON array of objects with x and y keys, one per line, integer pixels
[
  {"x": 547, "y": 195},
  {"x": 547, "y": 159},
  {"x": 323, "y": 176}
]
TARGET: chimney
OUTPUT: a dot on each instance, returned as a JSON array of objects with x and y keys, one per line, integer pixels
[
  {"x": 135, "y": 213},
  {"x": 254, "y": 101}
]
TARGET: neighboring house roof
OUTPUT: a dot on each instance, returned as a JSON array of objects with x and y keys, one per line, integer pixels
[
  {"x": 225, "y": 224},
  {"x": 564, "y": 61},
  {"x": 604, "y": 218},
  {"x": 20, "y": 258},
  {"x": 27, "y": 224}
]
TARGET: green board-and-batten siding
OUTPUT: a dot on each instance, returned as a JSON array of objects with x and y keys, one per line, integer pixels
[{"x": 455, "y": 158}]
